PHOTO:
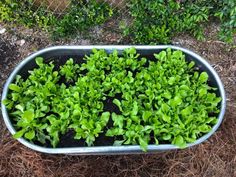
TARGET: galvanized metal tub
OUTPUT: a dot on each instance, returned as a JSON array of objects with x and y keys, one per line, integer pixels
[{"x": 62, "y": 53}]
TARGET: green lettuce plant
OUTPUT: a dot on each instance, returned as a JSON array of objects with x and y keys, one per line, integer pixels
[{"x": 162, "y": 100}]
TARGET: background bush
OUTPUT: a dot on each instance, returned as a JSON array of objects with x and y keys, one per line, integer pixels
[
  {"x": 152, "y": 21},
  {"x": 157, "y": 21},
  {"x": 80, "y": 16}
]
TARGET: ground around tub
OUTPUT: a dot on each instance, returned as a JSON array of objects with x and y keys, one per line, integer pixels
[{"x": 215, "y": 157}]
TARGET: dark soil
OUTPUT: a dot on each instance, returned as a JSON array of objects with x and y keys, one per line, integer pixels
[
  {"x": 7, "y": 53},
  {"x": 215, "y": 157}
]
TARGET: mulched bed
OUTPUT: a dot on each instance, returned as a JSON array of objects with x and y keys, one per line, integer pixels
[{"x": 215, "y": 157}]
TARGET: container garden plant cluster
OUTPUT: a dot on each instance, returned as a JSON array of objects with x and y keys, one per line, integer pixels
[{"x": 161, "y": 99}]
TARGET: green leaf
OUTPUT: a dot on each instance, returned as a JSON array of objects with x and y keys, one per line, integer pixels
[
  {"x": 14, "y": 87},
  {"x": 110, "y": 132},
  {"x": 105, "y": 117},
  {"x": 117, "y": 103},
  {"x": 156, "y": 141},
  {"x": 202, "y": 92},
  {"x": 89, "y": 140},
  {"x": 179, "y": 141},
  {"x": 132, "y": 50},
  {"x": 21, "y": 108},
  {"x": 167, "y": 95},
  {"x": 187, "y": 111},
  {"x": 28, "y": 115},
  {"x": 22, "y": 124},
  {"x": 203, "y": 77},
  {"x": 165, "y": 108},
  {"x": 184, "y": 87},
  {"x": 30, "y": 135},
  {"x": 118, "y": 142},
  {"x": 39, "y": 61},
  {"x": 171, "y": 80},
  {"x": 146, "y": 115},
  {"x": 8, "y": 103},
  {"x": 55, "y": 138},
  {"x": 191, "y": 64},
  {"x": 44, "y": 108},
  {"x": 19, "y": 134},
  {"x": 212, "y": 120},
  {"x": 134, "y": 111},
  {"x": 118, "y": 120},
  {"x": 143, "y": 144},
  {"x": 190, "y": 140},
  {"x": 166, "y": 137},
  {"x": 15, "y": 96},
  {"x": 166, "y": 118},
  {"x": 41, "y": 137},
  {"x": 204, "y": 128},
  {"x": 177, "y": 101}
]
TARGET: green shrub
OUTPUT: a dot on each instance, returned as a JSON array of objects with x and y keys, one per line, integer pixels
[
  {"x": 153, "y": 21},
  {"x": 24, "y": 12},
  {"x": 82, "y": 16},
  {"x": 78, "y": 17},
  {"x": 227, "y": 16},
  {"x": 157, "y": 21},
  {"x": 7, "y": 10}
]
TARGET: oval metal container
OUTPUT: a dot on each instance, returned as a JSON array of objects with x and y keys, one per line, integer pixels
[{"x": 60, "y": 54}]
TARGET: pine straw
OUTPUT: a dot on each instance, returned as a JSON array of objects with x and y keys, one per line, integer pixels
[{"x": 215, "y": 157}]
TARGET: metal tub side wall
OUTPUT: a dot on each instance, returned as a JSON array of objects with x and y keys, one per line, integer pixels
[{"x": 81, "y": 51}]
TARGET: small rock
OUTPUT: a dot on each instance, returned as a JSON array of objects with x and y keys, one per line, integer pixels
[
  {"x": 2, "y": 30},
  {"x": 20, "y": 42},
  {"x": 176, "y": 43},
  {"x": 85, "y": 42}
]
